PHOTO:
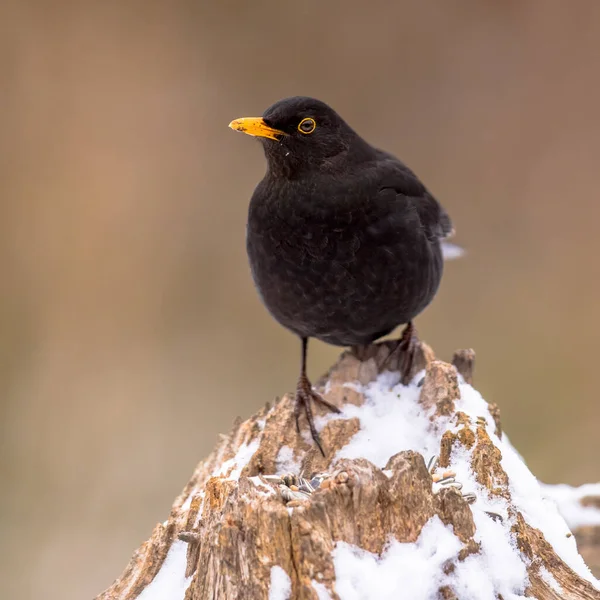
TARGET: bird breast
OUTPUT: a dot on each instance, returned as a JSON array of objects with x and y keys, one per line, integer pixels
[{"x": 337, "y": 267}]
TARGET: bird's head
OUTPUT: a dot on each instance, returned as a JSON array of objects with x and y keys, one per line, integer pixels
[{"x": 301, "y": 134}]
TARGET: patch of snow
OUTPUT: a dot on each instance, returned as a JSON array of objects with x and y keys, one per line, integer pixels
[
  {"x": 280, "y": 587},
  {"x": 499, "y": 568},
  {"x": 188, "y": 501},
  {"x": 393, "y": 420},
  {"x": 261, "y": 486},
  {"x": 232, "y": 468},
  {"x": 526, "y": 492},
  {"x": 550, "y": 580},
  {"x": 200, "y": 509},
  {"x": 568, "y": 500},
  {"x": 322, "y": 591},
  {"x": 352, "y": 385},
  {"x": 416, "y": 570},
  {"x": 528, "y": 497},
  {"x": 285, "y": 461},
  {"x": 508, "y": 443},
  {"x": 170, "y": 582}
]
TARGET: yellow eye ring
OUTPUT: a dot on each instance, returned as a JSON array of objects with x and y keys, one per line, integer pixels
[{"x": 307, "y": 126}]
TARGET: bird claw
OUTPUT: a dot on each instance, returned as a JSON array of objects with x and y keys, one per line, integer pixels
[
  {"x": 304, "y": 395},
  {"x": 407, "y": 347}
]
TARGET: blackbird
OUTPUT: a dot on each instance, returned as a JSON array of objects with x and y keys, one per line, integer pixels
[{"x": 344, "y": 240}]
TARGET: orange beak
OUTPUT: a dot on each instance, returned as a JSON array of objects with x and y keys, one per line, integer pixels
[{"x": 256, "y": 127}]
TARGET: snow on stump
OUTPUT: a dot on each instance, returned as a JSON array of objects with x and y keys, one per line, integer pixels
[{"x": 421, "y": 497}]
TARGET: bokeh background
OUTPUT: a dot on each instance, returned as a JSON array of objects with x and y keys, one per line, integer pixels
[{"x": 130, "y": 331}]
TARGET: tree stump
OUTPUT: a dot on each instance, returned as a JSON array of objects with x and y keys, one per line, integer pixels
[{"x": 420, "y": 496}]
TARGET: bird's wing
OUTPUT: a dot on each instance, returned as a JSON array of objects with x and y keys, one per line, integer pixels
[
  {"x": 410, "y": 203},
  {"x": 396, "y": 176}
]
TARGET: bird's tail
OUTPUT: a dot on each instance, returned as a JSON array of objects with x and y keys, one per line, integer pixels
[{"x": 451, "y": 251}]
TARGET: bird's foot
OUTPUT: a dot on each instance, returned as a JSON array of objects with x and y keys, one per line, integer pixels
[
  {"x": 304, "y": 395},
  {"x": 408, "y": 346},
  {"x": 403, "y": 355}
]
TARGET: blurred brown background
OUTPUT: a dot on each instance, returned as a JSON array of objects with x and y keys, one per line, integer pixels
[{"x": 130, "y": 331}]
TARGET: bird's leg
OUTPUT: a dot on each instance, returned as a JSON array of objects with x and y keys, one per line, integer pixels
[
  {"x": 304, "y": 395},
  {"x": 407, "y": 346}
]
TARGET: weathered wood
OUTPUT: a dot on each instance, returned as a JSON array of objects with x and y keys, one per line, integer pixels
[
  {"x": 464, "y": 361},
  {"x": 236, "y": 530}
]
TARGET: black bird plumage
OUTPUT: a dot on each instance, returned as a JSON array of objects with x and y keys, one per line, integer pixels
[{"x": 344, "y": 241}]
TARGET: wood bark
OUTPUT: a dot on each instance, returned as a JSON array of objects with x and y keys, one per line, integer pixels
[{"x": 236, "y": 530}]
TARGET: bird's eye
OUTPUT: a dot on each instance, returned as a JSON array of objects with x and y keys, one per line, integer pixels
[{"x": 307, "y": 125}]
